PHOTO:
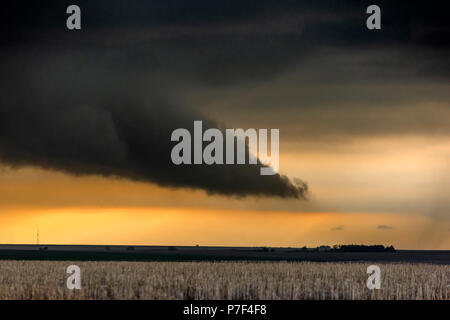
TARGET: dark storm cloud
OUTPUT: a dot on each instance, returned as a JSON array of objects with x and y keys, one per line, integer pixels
[
  {"x": 103, "y": 100},
  {"x": 220, "y": 42},
  {"x": 94, "y": 122}
]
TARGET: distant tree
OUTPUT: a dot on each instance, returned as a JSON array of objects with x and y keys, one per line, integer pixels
[
  {"x": 390, "y": 249},
  {"x": 172, "y": 248},
  {"x": 362, "y": 248}
]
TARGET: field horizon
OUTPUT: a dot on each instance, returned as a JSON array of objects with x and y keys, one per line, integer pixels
[{"x": 209, "y": 253}]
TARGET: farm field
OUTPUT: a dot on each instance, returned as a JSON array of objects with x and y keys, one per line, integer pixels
[{"x": 222, "y": 280}]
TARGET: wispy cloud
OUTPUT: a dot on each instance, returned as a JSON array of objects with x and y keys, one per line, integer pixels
[
  {"x": 337, "y": 228},
  {"x": 384, "y": 227}
]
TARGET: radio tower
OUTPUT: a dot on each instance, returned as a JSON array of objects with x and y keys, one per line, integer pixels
[{"x": 37, "y": 237}]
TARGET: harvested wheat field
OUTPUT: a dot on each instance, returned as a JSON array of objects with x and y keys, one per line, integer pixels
[{"x": 221, "y": 280}]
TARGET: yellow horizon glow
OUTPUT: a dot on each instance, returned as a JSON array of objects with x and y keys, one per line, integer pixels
[
  {"x": 396, "y": 182},
  {"x": 206, "y": 227}
]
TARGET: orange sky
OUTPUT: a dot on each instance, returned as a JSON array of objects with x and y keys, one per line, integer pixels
[
  {"x": 175, "y": 226},
  {"x": 352, "y": 195}
]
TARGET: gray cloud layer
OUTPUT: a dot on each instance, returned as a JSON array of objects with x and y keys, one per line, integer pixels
[
  {"x": 103, "y": 100},
  {"x": 384, "y": 227}
]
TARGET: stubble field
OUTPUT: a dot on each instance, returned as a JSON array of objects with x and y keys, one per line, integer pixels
[{"x": 222, "y": 280}]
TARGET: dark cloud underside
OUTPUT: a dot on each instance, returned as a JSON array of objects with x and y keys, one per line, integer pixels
[{"x": 103, "y": 100}]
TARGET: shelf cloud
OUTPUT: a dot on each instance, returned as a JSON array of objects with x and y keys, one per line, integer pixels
[{"x": 104, "y": 100}]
